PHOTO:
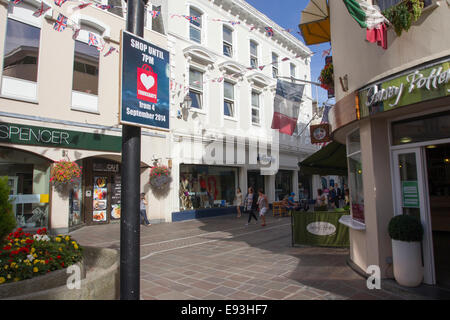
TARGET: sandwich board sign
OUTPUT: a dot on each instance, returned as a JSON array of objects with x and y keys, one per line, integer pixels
[{"x": 144, "y": 83}]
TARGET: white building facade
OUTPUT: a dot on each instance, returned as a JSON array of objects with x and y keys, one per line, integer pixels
[{"x": 54, "y": 84}]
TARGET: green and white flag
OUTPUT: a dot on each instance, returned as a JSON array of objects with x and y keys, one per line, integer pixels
[{"x": 368, "y": 16}]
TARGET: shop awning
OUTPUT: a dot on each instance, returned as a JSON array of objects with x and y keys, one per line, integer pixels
[
  {"x": 315, "y": 22},
  {"x": 330, "y": 160}
]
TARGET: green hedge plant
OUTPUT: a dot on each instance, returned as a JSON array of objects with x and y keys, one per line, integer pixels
[
  {"x": 405, "y": 228},
  {"x": 7, "y": 219}
]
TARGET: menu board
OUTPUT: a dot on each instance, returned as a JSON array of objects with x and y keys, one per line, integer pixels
[
  {"x": 116, "y": 187},
  {"x": 100, "y": 204}
]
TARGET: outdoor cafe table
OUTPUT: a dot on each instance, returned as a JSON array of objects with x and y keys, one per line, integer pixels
[{"x": 319, "y": 228}]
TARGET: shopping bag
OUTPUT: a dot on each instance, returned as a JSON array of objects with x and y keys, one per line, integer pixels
[{"x": 147, "y": 84}]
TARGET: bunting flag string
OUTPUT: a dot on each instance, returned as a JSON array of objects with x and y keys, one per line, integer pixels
[{"x": 43, "y": 9}]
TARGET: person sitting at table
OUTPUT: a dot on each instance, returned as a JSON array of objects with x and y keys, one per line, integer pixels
[{"x": 294, "y": 204}]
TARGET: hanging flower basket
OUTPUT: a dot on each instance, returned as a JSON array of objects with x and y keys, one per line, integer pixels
[
  {"x": 160, "y": 177},
  {"x": 327, "y": 77},
  {"x": 65, "y": 172}
]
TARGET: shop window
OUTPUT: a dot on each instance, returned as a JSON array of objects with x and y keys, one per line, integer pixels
[
  {"x": 274, "y": 65},
  {"x": 425, "y": 128},
  {"x": 227, "y": 41},
  {"x": 195, "y": 25},
  {"x": 29, "y": 181},
  {"x": 355, "y": 176},
  {"x": 228, "y": 102},
  {"x": 21, "y": 52},
  {"x": 255, "y": 107},
  {"x": 75, "y": 202},
  {"x": 196, "y": 88},
  {"x": 207, "y": 186},
  {"x": 253, "y": 54}
]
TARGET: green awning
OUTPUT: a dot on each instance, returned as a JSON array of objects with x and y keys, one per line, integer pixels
[{"x": 330, "y": 160}]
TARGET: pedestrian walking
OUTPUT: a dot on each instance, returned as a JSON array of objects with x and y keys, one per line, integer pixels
[
  {"x": 250, "y": 204},
  {"x": 263, "y": 206},
  {"x": 143, "y": 207},
  {"x": 239, "y": 201}
]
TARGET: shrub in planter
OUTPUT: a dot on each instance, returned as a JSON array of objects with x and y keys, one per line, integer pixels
[
  {"x": 404, "y": 14},
  {"x": 326, "y": 77},
  {"x": 406, "y": 233},
  {"x": 7, "y": 219},
  {"x": 26, "y": 256},
  {"x": 405, "y": 228}
]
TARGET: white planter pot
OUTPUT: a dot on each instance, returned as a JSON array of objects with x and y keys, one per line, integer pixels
[{"x": 407, "y": 258}]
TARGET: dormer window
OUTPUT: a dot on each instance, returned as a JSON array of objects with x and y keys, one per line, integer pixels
[{"x": 274, "y": 65}]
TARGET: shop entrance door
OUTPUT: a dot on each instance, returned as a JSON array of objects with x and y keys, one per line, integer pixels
[
  {"x": 411, "y": 198},
  {"x": 255, "y": 180},
  {"x": 438, "y": 171}
]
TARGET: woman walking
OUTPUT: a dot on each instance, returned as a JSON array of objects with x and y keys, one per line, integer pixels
[
  {"x": 263, "y": 206},
  {"x": 250, "y": 204},
  {"x": 239, "y": 201}
]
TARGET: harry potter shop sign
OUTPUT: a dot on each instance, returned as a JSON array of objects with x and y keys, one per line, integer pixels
[
  {"x": 60, "y": 138},
  {"x": 425, "y": 83}
]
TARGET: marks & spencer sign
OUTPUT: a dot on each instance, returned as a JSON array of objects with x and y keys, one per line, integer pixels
[
  {"x": 418, "y": 85},
  {"x": 59, "y": 138},
  {"x": 144, "y": 99}
]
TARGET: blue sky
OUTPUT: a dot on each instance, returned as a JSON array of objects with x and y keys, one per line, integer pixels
[{"x": 286, "y": 13}]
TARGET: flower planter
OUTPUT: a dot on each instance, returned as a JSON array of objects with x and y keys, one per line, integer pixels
[{"x": 407, "y": 259}]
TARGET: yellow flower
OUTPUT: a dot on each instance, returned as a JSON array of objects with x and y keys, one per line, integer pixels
[
  {"x": 2, "y": 280},
  {"x": 58, "y": 239},
  {"x": 16, "y": 279},
  {"x": 8, "y": 276},
  {"x": 35, "y": 269},
  {"x": 13, "y": 264},
  {"x": 35, "y": 261},
  {"x": 17, "y": 266},
  {"x": 6, "y": 267},
  {"x": 60, "y": 249},
  {"x": 35, "y": 255},
  {"x": 42, "y": 262},
  {"x": 33, "y": 250},
  {"x": 75, "y": 246},
  {"x": 23, "y": 241},
  {"x": 67, "y": 238}
]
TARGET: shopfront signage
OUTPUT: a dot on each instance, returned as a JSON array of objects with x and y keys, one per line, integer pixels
[
  {"x": 410, "y": 194},
  {"x": 108, "y": 167},
  {"x": 59, "y": 138},
  {"x": 320, "y": 133},
  {"x": 144, "y": 99},
  {"x": 422, "y": 84}
]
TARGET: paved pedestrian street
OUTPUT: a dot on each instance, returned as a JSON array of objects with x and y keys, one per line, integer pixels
[{"x": 221, "y": 258}]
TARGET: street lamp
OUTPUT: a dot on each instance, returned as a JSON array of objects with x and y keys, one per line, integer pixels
[{"x": 187, "y": 102}]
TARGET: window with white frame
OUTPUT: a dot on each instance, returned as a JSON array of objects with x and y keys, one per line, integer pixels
[
  {"x": 227, "y": 41},
  {"x": 228, "y": 99},
  {"x": 292, "y": 70},
  {"x": 21, "y": 51},
  {"x": 256, "y": 107},
  {"x": 355, "y": 176},
  {"x": 253, "y": 54},
  {"x": 155, "y": 21},
  {"x": 86, "y": 64},
  {"x": 117, "y": 7},
  {"x": 386, "y": 4},
  {"x": 195, "y": 25},
  {"x": 274, "y": 65},
  {"x": 196, "y": 88}
]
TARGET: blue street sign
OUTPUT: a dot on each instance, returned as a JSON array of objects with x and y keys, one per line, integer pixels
[{"x": 144, "y": 87}]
